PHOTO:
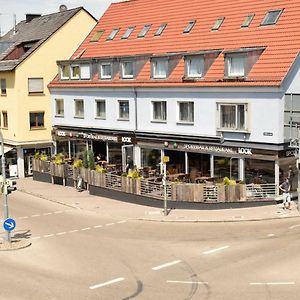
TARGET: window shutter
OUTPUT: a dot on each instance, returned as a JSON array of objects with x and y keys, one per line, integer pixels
[
  {"x": 35, "y": 85},
  {"x": 85, "y": 72}
]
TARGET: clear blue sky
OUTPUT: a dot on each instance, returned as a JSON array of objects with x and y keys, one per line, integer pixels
[{"x": 22, "y": 7}]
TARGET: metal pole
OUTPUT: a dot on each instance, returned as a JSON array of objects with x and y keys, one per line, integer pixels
[
  {"x": 7, "y": 233},
  {"x": 298, "y": 188},
  {"x": 165, "y": 190}
]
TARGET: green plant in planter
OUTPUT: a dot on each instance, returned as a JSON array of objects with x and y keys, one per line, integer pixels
[
  {"x": 58, "y": 159},
  {"x": 88, "y": 160},
  {"x": 78, "y": 163},
  {"x": 135, "y": 174},
  {"x": 43, "y": 157},
  {"x": 101, "y": 169},
  {"x": 37, "y": 155},
  {"x": 228, "y": 181}
]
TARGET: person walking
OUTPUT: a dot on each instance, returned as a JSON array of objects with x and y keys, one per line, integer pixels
[{"x": 285, "y": 187}]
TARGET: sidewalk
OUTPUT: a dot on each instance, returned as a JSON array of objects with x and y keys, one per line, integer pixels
[{"x": 122, "y": 210}]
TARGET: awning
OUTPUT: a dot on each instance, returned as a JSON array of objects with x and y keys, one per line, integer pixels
[{"x": 6, "y": 149}]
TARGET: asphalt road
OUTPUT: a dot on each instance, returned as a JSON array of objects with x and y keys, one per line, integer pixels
[{"x": 78, "y": 254}]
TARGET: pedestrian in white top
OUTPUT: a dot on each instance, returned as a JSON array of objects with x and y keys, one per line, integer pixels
[{"x": 285, "y": 187}]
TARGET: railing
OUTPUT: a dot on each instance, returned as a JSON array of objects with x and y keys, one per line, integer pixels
[
  {"x": 210, "y": 192},
  {"x": 261, "y": 191},
  {"x": 155, "y": 189},
  {"x": 113, "y": 181}
]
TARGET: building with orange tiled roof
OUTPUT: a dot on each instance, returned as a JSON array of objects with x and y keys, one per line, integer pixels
[{"x": 214, "y": 85}]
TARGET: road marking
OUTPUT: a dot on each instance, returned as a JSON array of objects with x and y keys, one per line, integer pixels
[
  {"x": 106, "y": 283},
  {"x": 35, "y": 216},
  {"x": 294, "y": 226},
  {"x": 272, "y": 283},
  {"x": 120, "y": 222},
  {"x": 47, "y": 214},
  {"x": 61, "y": 233},
  {"x": 109, "y": 224},
  {"x": 270, "y": 235},
  {"x": 187, "y": 282},
  {"x": 58, "y": 212},
  {"x": 72, "y": 231},
  {"x": 166, "y": 265},
  {"x": 26, "y": 217},
  {"x": 87, "y": 228},
  {"x": 48, "y": 235},
  {"x": 35, "y": 237},
  {"x": 98, "y": 226},
  {"x": 215, "y": 250}
]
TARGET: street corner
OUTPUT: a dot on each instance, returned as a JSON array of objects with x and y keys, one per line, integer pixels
[{"x": 14, "y": 245}]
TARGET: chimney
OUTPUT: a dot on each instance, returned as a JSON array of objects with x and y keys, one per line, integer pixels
[
  {"x": 30, "y": 17},
  {"x": 63, "y": 8}
]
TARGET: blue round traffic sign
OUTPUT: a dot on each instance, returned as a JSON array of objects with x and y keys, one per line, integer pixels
[{"x": 9, "y": 224}]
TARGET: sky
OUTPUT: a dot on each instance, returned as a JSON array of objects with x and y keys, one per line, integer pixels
[{"x": 21, "y": 7}]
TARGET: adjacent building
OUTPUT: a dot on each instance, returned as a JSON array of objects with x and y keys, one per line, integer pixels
[
  {"x": 28, "y": 55},
  {"x": 214, "y": 87}
]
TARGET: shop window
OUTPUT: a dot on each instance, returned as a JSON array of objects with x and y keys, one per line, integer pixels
[
  {"x": 106, "y": 70},
  {"x": 3, "y": 86},
  {"x": 159, "y": 68},
  {"x": 186, "y": 112},
  {"x": 123, "y": 110},
  {"x": 127, "y": 69},
  {"x": 36, "y": 120},
  {"x": 64, "y": 72},
  {"x": 35, "y": 85},
  {"x": 232, "y": 116},
  {"x": 100, "y": 109},
  {"x": 159, "y": 111},
  {"x": 59, "y": 107},
  {"x": 79, "y": 108},
  {"x": 194, "y": 66},
  {"x": 151, "y": 159},
  {"x": 259, "y": 171},
  {"x": 4, "y": 119}
]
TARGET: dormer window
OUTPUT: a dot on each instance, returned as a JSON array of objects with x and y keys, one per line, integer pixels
[
  {"x": 160, "y": 30},
  {"x": 236, "y": 65},
  {"x": 64, "y": 72},
  {"x": 127, "y": 69},
  {"x": 248, "y": 21},
  {"x": 81, "y": 71},
  {"x": 271, "y": 17},
  {"x": 144, "y": 31},
  {"x": 189, "y": 26},
  {"x": 218, "y": 23},
  {"x": 75, "y": 72},
  {"x": 159, "y": 68},
  {"x": 128, "y": 32},
  {"x": 105, "y": 70},
  {"x": 194, "y": 66},
  {"x": 113, "y": 34}
]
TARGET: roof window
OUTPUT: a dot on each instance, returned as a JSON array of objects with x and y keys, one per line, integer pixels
[
  {"x": 144, "y": 30},
  {"x": 97, "y": 36},
  {"x": 160, "y": 29},
  {"x": 189, "y": 26},
  {"x": 218, "y": 24},
  {"x": 248, "y": 21},
  {"x": 128, "y": 32},
  {"x": 113, "y": 34},
  {"x": 271, "y": 17}
]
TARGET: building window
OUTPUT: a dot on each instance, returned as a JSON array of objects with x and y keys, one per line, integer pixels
[
  {"x": 128, "y": 32},
  {"x": 100, "y": 109},
  {"x": 35, "y": 85},
  {"x": 105, "y": 70},
  {"x": 3, "y": 86},
  {"x": 235, "y": 65},
  {"x": 233, "y": 116},
  {"x": 144, "y": 31},
  {"x": 65, "y": 72},
  {"x": 186, "y": 112},
  {"x": 271, "y": 17},
  {"x": 189, "y": 26},
  {"x": 4, "y": 119},
  {"x": 159, "y": 110},
  {"x": 113, "y": 34},
  {"x": 79, "y": 108},
  {"x": 75, "y": 72},
  {"x": 97, "y": 36},
  {"x": 127, "y": 69},
  {"x": 36, "y": 120},
  {"x": 218, "y": 24},
  {"x": 159, "y": 68},
  {"x": 248, "y": 20},
  {"x": 59, "y": 107},
  {"x": 160, "y": 30},
  {"x": 85, "y": 72},
  {"x": 124, "y": 110},
  {"x": 194, "y": 66}
]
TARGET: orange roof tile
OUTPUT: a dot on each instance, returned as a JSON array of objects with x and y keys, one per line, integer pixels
[{"x": 281, "y": 41}]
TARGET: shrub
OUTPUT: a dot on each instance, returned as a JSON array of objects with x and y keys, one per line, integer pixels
[
  {"x": 101, "y": 169},
  {"x": 78, "y": 163},
  {"x": 58, "y": 159},
  {"x": 88, "y": 159},
  {"x": 135, "y": 174},
  {"x": 227, "y": 181}
]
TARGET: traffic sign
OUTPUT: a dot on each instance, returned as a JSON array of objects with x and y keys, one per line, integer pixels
[{"x": 9, "y": 224}]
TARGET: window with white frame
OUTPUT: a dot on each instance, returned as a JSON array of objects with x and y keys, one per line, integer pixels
[
  {"x": 100, "y": 109},
  {"x": 75, "y": 72},
  {"x": 233, "y": 116},
  {"x": 79, "y": 108},
  {"x": 235, "y": 65},
  {"x": 65, "y": 72},
  {"x": 123, "y": 109},
  {"x": 113, "y": 34},
  {"x": 186, "y": 112},
  {"x": 127, "y": 69},
  {"x": 159, "y": 111},
  {"x": 59, "y": 108},
  {"x": 194, "y": 66},
  {"x": 159, "y": 68},
  {"x": 106, "y": 70},
  {"x": 35, "y": 85},
  {"x": 85, "y": 72}
]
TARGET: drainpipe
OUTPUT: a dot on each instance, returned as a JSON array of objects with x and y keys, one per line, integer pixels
[{"x": 135, "y": 110}]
